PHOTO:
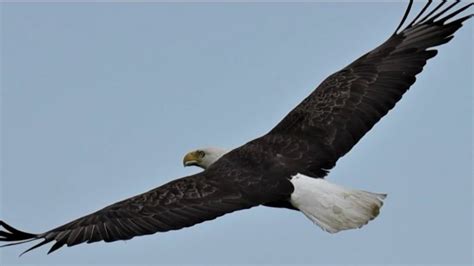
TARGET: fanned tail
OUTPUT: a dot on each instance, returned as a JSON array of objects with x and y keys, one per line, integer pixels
[{"x": 333, "y": 207}]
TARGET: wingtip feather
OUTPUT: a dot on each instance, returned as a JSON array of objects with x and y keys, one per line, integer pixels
[
  {"x": 35, "y": 246},
  {"x": 12, "y": 234}
]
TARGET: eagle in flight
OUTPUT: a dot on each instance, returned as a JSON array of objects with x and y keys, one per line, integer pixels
[{"x": 286, "y": 167}]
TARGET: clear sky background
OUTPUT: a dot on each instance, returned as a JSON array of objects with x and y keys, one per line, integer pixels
[{"x": 101, "y": 101}]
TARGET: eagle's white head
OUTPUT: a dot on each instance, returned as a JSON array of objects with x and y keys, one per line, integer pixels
[{"x": 203, "y": 157}]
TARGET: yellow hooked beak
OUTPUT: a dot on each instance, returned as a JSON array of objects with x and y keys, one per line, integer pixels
[{"x": 191, "y": 158}]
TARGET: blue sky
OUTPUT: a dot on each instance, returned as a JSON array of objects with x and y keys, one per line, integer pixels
[{"x": 101, "y": 101}]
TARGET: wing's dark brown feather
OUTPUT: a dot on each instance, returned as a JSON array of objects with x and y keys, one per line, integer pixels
[
  {"x": 178, "y": 204},
  {"x": 309, "y": 140},
  {"x": 332, "y": 119}
]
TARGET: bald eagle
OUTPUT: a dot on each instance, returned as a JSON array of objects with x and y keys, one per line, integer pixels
[{"x": 286, "y": 167}]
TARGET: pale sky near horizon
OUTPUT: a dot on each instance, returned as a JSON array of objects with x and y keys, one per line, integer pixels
[{"x": 100, "y": 102}]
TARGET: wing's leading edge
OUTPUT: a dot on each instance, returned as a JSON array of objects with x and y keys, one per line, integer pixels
[{"x": 345, "y": 106}]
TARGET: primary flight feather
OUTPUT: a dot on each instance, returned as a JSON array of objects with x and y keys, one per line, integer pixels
[{"x": 284, "y": 168}]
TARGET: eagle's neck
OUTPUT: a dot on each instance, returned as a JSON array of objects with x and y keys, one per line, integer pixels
[{"x": 212, "y": 155}]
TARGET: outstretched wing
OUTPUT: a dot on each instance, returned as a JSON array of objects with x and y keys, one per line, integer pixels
[
  {"x": 333, "y": 118},
  {"x": 175, "y": 205}
]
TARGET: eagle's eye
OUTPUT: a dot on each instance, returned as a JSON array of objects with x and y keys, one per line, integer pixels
[{"x": 201, "y": 153}]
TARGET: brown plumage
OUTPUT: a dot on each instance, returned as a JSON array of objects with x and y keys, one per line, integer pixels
[{"x": 309, "y": 140}]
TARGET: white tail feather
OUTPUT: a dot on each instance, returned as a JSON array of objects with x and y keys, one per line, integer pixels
[{"x": 333, "y": 207}]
